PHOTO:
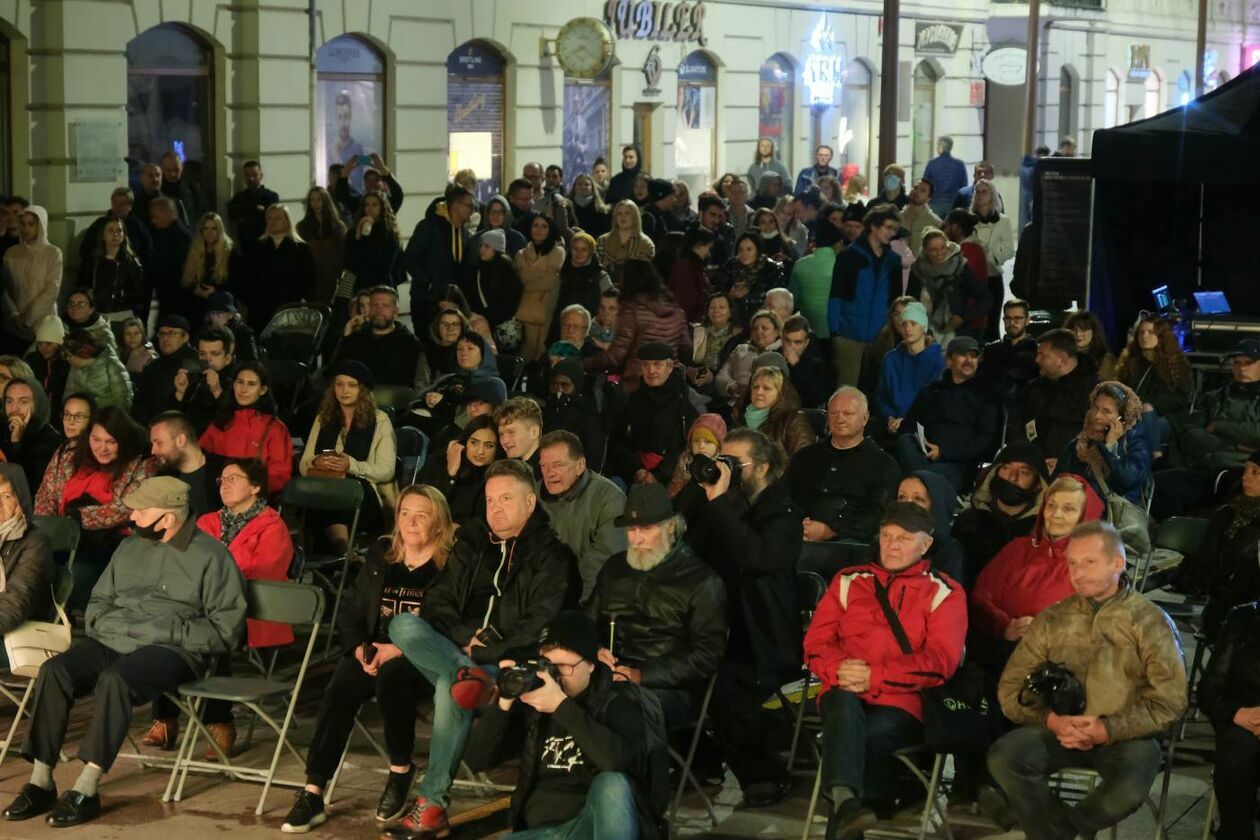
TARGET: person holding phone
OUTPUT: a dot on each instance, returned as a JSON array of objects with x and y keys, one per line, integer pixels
[{"x": 1113, "y": 450}]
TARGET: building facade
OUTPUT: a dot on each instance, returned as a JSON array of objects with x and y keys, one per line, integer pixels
[{"x": 93, "y": 88}]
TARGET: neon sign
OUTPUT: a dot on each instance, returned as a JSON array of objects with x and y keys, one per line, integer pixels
[{"x": 824, "y": 67}]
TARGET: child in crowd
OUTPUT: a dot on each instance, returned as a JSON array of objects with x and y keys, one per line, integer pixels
[
  {"x": 604, "y": 327},
  {"x": 704, "y": 438},
  {"x": 137, "y": 350}
]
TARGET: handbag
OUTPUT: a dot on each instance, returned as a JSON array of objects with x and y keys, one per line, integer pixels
[
  {"x": 960, "y": 715},
  {"x": 1127, "y": 518},
  {"x": 32, "y": 643}
]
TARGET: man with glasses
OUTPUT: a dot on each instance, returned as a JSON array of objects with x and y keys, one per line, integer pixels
[
  {"x": 387, "y": 347},
  {"x": 157, "y": 383},
  {"x": 437, "y": 245},
  {"x": 1010, "y": 363}
]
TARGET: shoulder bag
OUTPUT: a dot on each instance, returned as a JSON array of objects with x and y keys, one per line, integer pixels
[{"x": 33, "y": 643}]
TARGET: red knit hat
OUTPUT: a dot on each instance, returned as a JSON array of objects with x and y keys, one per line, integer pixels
[{"x": 712, "y": 424}]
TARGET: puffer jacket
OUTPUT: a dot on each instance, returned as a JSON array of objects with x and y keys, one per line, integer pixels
[
  {"x": 186, "y": 594},
  {"x": 28, "y": 563},
  {"x": 642, "y": 319},
  {"x": 670, "y": 621},
  {"x": 252, "y": 434},
  {"x": 1127, "y": 655},
  {"x": 735, "y": 372},
  {"x": 850, "y": 624},
  {"x": 104, "y": 377},
  {"x": 1232, "y": 680},
  {"x": 262, "y": 550},
  {"x": 514, "y": 586},
  {"x": 862, "y": 289},
  {"x": 1233, "y": 412},
  {"x": 540, "y": 284},
  {"x": 1026, "y": 576}
]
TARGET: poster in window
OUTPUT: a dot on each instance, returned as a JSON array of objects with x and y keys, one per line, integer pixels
[
  {"x": 587, "y": 120},
  {"x": 349, "y": 114}
]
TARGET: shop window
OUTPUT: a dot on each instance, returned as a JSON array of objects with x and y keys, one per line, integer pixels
[
  {"x": 349, "y": 105},
  {"x": 856, "y": 92},
  {"x": 774, "y": 106},
  {"x": 923, "y": 117},
  {"x": 475, "y": 95},
  {"x": 587, "y": 126},
  {"x": 170, "y": 103},
  {"x": 695, "y": 141}
]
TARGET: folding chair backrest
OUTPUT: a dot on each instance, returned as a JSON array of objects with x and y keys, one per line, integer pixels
[
  {"x": 62, "y": 531},
  {"x": 510, "y": 368},
  {"x": 285, "y": 602},
  {"x": 810, "y": 588},
  {"x": 397, "y": 397},
  {"x": 1182, "y": 534},
  {"x": 413, "y": 449},
  {"x": 827, "y": 558},
  {"x": 817, "y": 418},
  {"x": 323, "y": 494},
  {"x": 63, "y": 584}
]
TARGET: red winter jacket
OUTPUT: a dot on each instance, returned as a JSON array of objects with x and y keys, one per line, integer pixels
[
  {"x": 254, "y": 435},
  {"x": 1029, "y": 574},
  {"x": 262, "y": 551},
  {"x": 849, "y": 624}
]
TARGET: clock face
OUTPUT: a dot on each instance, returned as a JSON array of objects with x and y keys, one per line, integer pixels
[{"x": 584, "y": 47}]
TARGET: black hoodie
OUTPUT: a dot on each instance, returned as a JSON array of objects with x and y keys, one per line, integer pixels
[
  {"x": 622, "y": 184},
  {"x": 39, "y": 440}
]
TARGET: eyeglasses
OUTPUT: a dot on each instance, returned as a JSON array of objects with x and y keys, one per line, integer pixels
[
  {"x": 230, "y": 479},
  {"x": 77, "y": 418},
  {"x": 565, "y": 669},
  {"x": 170, "y": 333},
  {"x": 78, "y": 304}
]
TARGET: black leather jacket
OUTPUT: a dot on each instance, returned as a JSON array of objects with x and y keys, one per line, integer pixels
[
  {"x": 1232, "y": 680},
  {"x": 670, "y": 621}
]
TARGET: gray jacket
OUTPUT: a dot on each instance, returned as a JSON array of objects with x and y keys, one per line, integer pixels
[
  {"x": 187, "y": 594},
  {"x": 28, "y": 563},
  {"x": 583, "y": 520}
]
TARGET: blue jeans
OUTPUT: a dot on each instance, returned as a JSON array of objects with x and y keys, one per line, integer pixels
[
  {"x": 607, "y": 815},
  {"x": 859, "y": 740},
  {"x": 438, "y": 659}
]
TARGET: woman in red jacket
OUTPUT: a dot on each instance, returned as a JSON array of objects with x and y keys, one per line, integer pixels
[{"x": 246, "y": 426}]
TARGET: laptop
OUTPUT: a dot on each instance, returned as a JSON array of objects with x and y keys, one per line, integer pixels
[{"x": 1212, "y": 303}]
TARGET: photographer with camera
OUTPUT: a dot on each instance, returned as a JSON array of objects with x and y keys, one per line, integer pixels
[
  {"x": 1095, "y": 678},
  {"x": 584, "y": 761},
  {"x": 741, "y": 519},
  {"x": 883, "y": 632},
  {"x": 199, "y": 383},
  {"x": 660, "y": 609}
]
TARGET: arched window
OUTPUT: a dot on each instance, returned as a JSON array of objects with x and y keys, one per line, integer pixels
[
  {"x": 774, "y": 106},
  {"x": 1151, "y": 100},
  {"x": 349, "y": 105},
  {"x": 475, "y": 94},
  {"x": 1068, "y": 84},
  {"x": 695, "y": 141},
  {"x": 855, "y": 119},
  {"x": 170, "y": 103},
  {"x": 587, "y": 125},
  {"x": 1185, "y": 89},
  {"x": 1113, "y": 101},
  {"x": 923, "y": 116}
]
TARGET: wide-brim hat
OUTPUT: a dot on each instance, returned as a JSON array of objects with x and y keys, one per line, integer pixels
[{"x": 647, "y": 504}]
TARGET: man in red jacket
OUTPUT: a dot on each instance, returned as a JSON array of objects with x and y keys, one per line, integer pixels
[{"x": 873, "y": 669}]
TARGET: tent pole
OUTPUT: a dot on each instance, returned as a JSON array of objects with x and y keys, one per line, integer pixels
[
  {"x": 1030, "y": 76},
  {"x": 1200, "y": 47},
  {"x": 888, "y": 85}
]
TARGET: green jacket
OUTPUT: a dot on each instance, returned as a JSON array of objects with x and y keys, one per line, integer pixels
[
  {"x": 811, "y": 287},
  {"x": 104, "y": 378},
  {"x": 1127, "y": 655},
  {"x": 1233, "y": 412},
  {"x": 186, "y": 594},
  {"x": 583, "y": 520}
]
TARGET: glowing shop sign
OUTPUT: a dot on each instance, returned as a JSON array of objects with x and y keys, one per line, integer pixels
[{"x": 824, "y": 67}]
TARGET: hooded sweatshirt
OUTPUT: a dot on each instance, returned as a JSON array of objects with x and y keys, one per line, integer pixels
[
  {"x": 515, "y": 240},
  {"x": 904, "y": 375},
  {"x": 435, "y": 252},
  {"x": 946, "y": 552},
  {"x": 983, "y": 528},
  {"x": 32, "y": 275},
  {"x": 39, "y": 439},
  {"x": 1028, "y": 575},
  {"x": 28, "y": 563},
  {"x": 621, "y": 185}
]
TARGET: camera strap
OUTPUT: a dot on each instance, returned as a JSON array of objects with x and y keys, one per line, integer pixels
[{"x": 894, "y": 623}]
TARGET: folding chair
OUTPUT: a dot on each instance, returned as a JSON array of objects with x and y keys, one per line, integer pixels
[
  {"x": 290, "y": 603},
  {"x": 413, "y": 446},
  {"x": 63, "y": 583},
  {"x": 510, "y": 370},
  {"x": 396, "y": 398},
  {"x": 63, "y": 532},
  {"x": 684, "y": 764},
  {"x": 288, "y": 377},
  {"x": 328, "y": 495},
  {"x": 827, "y": 558},
  {"x": 810, "y": 588},
  {"x": 817, "y": 418}
]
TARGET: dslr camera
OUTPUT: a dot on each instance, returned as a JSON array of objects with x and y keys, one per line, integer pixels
[
  {"x": 705, "y": 470},
  {"x": 1054, "y": 684},
  {"x": 523, "y": 678}
]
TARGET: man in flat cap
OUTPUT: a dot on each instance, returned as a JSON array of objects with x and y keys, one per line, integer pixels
[
  {"x": 650, "y": 432},
  {"x": 170, "y": 598},
  {"x": 883, "y": 632}
]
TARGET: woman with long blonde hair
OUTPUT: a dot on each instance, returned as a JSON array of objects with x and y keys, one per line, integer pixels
[
  {"x": 280, "y": 269},
  {"x": 212, "y": 263}
]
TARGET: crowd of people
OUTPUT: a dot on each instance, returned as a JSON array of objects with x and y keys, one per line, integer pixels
[{"x": 644, "y": 411}]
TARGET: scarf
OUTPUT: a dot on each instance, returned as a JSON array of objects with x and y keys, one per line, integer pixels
[
  {"x": 746, "y": 275},
  {"x": 716, "y": 341},
  {"x": 1246, "y": 511},
  {"x": 231, "y": 524},
  {"x": 357, "y": 443},
  {"x": 754, "y": 417},
  {"x": 1087, "y": 449},
  {"x": 13, "y": 528}
]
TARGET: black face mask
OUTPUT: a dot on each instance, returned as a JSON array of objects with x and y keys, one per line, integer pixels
[
  {"x": 149, "y": 532},
  {"x": 1011, "y": 494}
]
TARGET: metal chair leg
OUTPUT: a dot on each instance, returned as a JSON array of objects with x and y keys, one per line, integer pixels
[
  {"x": 17, "y": 717},
  {"x": 813, "y": 803}
]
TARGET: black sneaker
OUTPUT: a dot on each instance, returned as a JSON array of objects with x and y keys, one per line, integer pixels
[
  {"x": 395, "y": 799},
  {"x": 307, "y": 813},
  {"x": 850, "y": 820},
  {"x": 994, "y": 805}
]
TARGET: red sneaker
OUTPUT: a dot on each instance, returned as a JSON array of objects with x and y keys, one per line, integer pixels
[
  {"x": 425, "y": 821},
  {"x": 472, "y": 688}
]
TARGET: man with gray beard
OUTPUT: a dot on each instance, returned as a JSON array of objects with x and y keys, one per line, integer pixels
[{"x": 661, "y": 611}]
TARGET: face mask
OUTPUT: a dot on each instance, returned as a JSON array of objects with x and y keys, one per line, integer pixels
[
  {"x": 149, "y": 532},
  {"x": 583, "y": 200},
  {"x": 1011, "y": 494},
  {"x": 771, "y": 235},
  {"x": 891, "y": 182},
  {"x": 561, "y": 400}
]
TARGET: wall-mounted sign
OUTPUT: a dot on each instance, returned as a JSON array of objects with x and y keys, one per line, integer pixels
[
  {"x": 1005, "y": 65},
  {"x": 98, "y": 151},
  {"x": 977, "y": 94},
  {"x": 657, "y": 20},
  {"x": 937, "y": 38},
  {"x": 474, "y": 59},
  {"x": 652, "y": 71},
  {"x": 697, "y": 68},
  {"x": 823, "y": 68},
  {"x": 1139, "y": 61}
]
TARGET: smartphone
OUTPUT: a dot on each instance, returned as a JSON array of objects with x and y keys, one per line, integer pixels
[
  {"x": 328, "y": 452},
  {"x": 369, "y": 652},
  {"x": 363, "y": 160}
]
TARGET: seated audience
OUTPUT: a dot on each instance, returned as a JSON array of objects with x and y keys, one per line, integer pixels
[
  {"x": 176, "y": 452},
  {"x": 1224, "y": 567},
  {"x": 26, "y": 557},
  {"x": 199, "y": 388},
  {"x": 461, "y": 475},
  {"x": 807, "y": 369},
  {"x": 1091, "y": 343},
  {"x": 1154, "y": 366},
  {"x": 1004, "y": 505},
  {"x": 482, "y": 396},
  {"x": 713, "y": 340},
  {"x": 221, "y": 312},
  {"x": 645, "y": 439},
  {"x": 647, "y": 314},
  {"x": 136, "y": 349},
  {"x": 907, "y": 368},
  {"x": 437, "y": 351},
  {"x": 688, "y": 279},
  {"x": 1126, "y": 654},
  {"x": 703, "y": 438},
  {"x": 146, "y": 635},
  {"x": 95, "y": 369},
  {"x": 764, "y": 330},
  {"x": 78, "y": 413},
  {"x": 749, "y": 274},
  {"x": 491, "y": 285},
  {"x": 571, "y": 407},
  {"x": 399, "y": 570},
  {"x": 1112, "y": 450},
  {"x": 29, "y": 438},
  {"x": 772, "y": 407},
  {"x": 520, "y": 423},
  {"x": 938, "y": 497},
  {"x": 1008, "y": 364},
  {"x": 156, "y": 390},
  {"x": 582, "y": 280},
  {"x": 625, "y": 242},
  {"x": 872, "y": 671},
  {"x": 1052, "y": 405},
  {"x": 246, "y": 425},
  {"x": 386, "y": 347},
  {"x": 81, "y": 314}
]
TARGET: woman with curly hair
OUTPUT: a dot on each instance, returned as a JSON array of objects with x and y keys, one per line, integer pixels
[
  {"x": 372, "y": 246},
  {"x": 1112, "y": 451},
  {"x": 1154, "y": 366},
  {"x": 1091, "y": 342}
]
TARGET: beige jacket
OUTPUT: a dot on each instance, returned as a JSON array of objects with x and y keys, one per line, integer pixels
[
  {"x": 377, "y": 470},
  {"x": 32, "y": 275},
  {"x": 917, "y": 220},
  {"x": 1127, "y": 655}
]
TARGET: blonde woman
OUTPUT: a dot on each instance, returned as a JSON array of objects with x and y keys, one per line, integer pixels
[
  {"x": 593, "y": 215},
  {"x": 212, "y": 263},
  {"x": 626, "y": 241},
  {"x": 279, "y": 269},
  {"x": 400, "y": 568}
]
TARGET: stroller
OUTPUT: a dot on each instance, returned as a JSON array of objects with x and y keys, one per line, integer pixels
[{"x": 295, "y": 332}]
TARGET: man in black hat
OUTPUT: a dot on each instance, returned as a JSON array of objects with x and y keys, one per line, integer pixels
[
  {"x": 959, "y": 420},
  {"x": 221, "y": 312},
  {"x": 660, "y": 609},
  {"x": 883, "y": 632},
  {"x": 649, "y": 434},
  {"x": 156, "y": 391},
  {"x": 585, "y": 769},
  {"x": 388, "y": 348}
]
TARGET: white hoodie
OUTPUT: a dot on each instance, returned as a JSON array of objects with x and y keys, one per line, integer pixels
[{"x": 32, "y": 275}]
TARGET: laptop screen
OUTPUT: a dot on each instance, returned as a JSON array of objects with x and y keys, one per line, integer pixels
[
  {"x": 1212, "y": 303},
  {"x": 1163, "y": 300}
]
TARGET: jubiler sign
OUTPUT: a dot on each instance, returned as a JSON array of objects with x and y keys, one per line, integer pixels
[
  {"x": 937, "y": 38},
  {"x": 657, "y": 20}
]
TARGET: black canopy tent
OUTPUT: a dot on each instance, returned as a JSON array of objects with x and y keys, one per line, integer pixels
[{"x": 1176, "y": 202}]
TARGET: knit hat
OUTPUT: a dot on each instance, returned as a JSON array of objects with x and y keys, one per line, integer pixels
[
  {"x": 496, "y": 239},
  {"x": 572, "y": 630},
  {"x": 915, "y": 312},
  {"x": 570, "y": 368},
  {"x": 854, "y": 212},
  {"x": 174, "y": 322},
  {"x": 826, "y": 234},
  {"x": 709, "y": 426},
  {"x": 659, "y": 188},
  {"x": 563, "y": 349},
  {"x": 1022, "y": 452},
  {"x": 355, "y": 370},
  {"x": 909, "y": 516},
  {"x": 50, "y": 329},
  {"x": 771, "y": 359},
  {"x": 486, "y": 389}
]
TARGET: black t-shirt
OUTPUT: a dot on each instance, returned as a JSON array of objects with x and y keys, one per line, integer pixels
[
  {"x": 564, "y": 777},
  {"x": 403, "y": 593},
  {"x": 203, "y": 486}
]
